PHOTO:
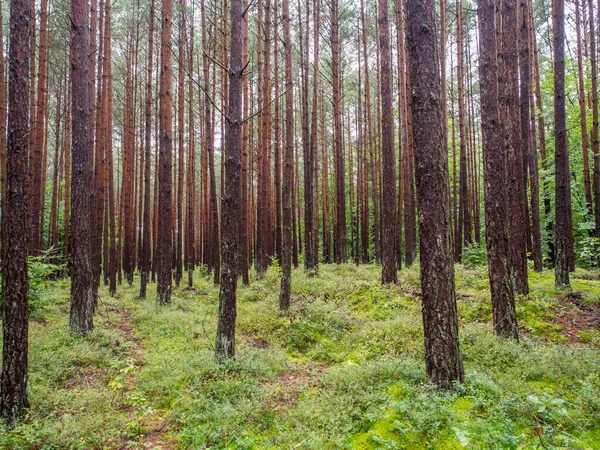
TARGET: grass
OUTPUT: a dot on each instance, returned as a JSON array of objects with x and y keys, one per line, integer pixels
[{"x": 343, "y": 370}]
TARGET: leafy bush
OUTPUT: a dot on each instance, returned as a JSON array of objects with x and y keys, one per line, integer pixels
[
  {"x": 40, "y": 271},
  {"x": 474, "y": 255},
  {"x": 589, "y": 252}
]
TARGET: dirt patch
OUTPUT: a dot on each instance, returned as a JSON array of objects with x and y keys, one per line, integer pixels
[
  {"x": 154, "y": 436},
  {"x": 575, "y": 315},
  {"x": 287, "y": 388},
  {"x": 86, "y": 377},
  {"x": 124, "y": 324},
  {"x": 253, "y": 341}
]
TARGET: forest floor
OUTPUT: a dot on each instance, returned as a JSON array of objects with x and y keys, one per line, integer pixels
[{"x": 343, "y": 370}]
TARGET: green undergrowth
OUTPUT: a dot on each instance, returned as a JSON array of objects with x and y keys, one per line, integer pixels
[{"x": 342, "y": 370}]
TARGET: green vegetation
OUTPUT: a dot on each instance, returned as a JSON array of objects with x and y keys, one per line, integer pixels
[{"x": 343, "y": 370}]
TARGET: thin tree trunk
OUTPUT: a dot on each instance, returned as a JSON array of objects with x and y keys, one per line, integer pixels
[
  {"x": 561, "y": 151},
  {"x": 388, "y": 272},
  {"x": 595, "y": 142},
  {"x": 146, "y": 226},
  {"x": 288, "y": 167},
  {"x": 243, "y": 231},
  {"x": 165, "y": 183},
  {"x": 509, "y": 115},
  {"x": 587, "y": 184},
  {"x": 225, "y": 341},
  {"x": 494, "y": 160},
  {"x": 529, "y": 151},
  {"x": 36, "y": 160},
  {"x": 181, "y": 150},
  {"x": 314, "y": 265},
  {"x": 340, "y": 253},
  {"x": 464, "y": 235},
  {"x": 82, "y": 295},
  {"x": 542, "y": 140}
]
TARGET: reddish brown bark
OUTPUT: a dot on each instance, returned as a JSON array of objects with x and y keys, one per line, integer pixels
[
  {"x": 82, "y": 295},
  {"x": 146, "y": 224},
  {"x": 288, "y": 167},
  {"x": 464, "y": 221},
  {"x": 529, "y": 151},
  {"x": 389, "y": 271},
  {"x": 36, "y": 152},
  {"x": 165, "y": 184},
  {"x": 587, "y": 184},
  {"x": 212, "y": 239},
  {"x": 15, "y": 223},
  {"x": 340, "y": 248},
  {"x": 178, "y": 234},
  {"x": 510, "y": 116},
  {"x": 3, "y": 110},
  {"x": 595, "y": 139},
  {"x": 225, "y": 341},
  {"x": 561, "y": 150},
  {"x": 244, "y": 179},
  {"x": 443, "y": 358},
  {"x": 494, "y": 160}
]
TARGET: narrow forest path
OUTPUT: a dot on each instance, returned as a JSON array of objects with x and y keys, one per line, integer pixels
[{"x": 146, "y": 427}]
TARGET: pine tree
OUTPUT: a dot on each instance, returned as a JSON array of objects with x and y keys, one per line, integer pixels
[
  {"x": 15, "y": 221},
  {"x": 82, "y": 293},
  {"x": 443, "y": 360}
]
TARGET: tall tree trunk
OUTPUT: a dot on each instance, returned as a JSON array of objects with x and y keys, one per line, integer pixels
[
  {"x": 126, "y": 216},
  {"x": 180, "y": 149},
  {"x": 308, "y": 153},
  {"x": 410, "y": 220},
  {"x": 276, "y": 210},
  {"x": 53, "y": 228},
  {"x": 509, "y": 116},
  {"x": 212, "y": 240},
  {"x": 561, "y": 151},
  {"x": 109, "y": 174},
  {"x": 146, "y": 226},
  {"x": 464, "y": 235},
  {"x": 325, "y": 188},
  {"x": 98, "y": 133},
  {"x": 225, "y": 342},
  {"x": 542, "y": 140},
  {"x": 369, "y": 136},
  {"x": 587, "y": 184},
  {"x": 36, "y": 159},
  {"x": 82, "y": 294},
  {"x": 165, "y": 184},
  {"x": 595, "y": 142},
  {"x": 3, "y": 111},
  {"x": 388, "y": 272},
  {"x": 443, "y": 360},
  {"x": 314, "y": 133},
  {"x": 67, "y": 206},
  {"x": 340, "y": 253},
  {"x": 244, "y": 201},
  {"x": 529, "y": 151},
  {"x": 288, "y": 169},
  {"x": 494, "y": 160},
  {"x": 190, "y": 237},
  {"x": 15, "y": 222}
]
